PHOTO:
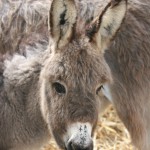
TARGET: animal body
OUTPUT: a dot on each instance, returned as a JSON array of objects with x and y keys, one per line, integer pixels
[{"x": 128, "y": 58}]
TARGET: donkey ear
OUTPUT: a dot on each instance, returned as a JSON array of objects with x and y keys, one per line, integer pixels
[
  {"x": 62, "y": 19},
  {"x": 104, "y": 28}
]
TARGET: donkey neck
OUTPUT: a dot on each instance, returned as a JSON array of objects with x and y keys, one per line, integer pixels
[{"x": 22, "y": 98}]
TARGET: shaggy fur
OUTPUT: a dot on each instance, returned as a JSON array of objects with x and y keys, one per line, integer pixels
[
  {"x": 129, "y": 60},
  {"x": 22, "y": 84},
  {"x": 21, "y": 22},
  {"x": 23, "y": 29}
]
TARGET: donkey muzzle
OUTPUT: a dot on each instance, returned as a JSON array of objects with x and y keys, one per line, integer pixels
[{"x": 80, "y": 137}]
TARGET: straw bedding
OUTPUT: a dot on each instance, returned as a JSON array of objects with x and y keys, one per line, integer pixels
[{"x": 110, "y": 134}]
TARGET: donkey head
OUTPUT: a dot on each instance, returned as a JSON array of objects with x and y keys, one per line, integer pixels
[{"x": 75, "y": 72}]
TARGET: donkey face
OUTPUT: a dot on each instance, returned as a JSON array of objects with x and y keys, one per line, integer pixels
[
  {"x": 72, "y": 82},
  {"x": 72, "y": 79}
]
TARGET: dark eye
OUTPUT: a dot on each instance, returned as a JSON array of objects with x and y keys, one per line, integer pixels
[
  {"x": 59, "y": 88},
  {"x": 99, "y": 89}
]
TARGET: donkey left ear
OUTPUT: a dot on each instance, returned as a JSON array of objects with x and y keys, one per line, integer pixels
[
  {"x": 104, "y": 28},
  {"x": 62, "y": 18}
]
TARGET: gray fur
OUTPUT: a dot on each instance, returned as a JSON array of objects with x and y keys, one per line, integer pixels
[
  {"x": 24, "y": 76},
  {"x": 129, "y": 60}
]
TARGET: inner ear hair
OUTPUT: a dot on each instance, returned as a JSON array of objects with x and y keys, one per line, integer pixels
[
  {"x": 103, "y": 29},
  {"x": 94, "y": 26},
  {"x": 62, "y": 19},
  {"x": 112, "y": 18}
]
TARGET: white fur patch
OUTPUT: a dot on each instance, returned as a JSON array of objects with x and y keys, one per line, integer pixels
[{"x": 79, "y": 133}]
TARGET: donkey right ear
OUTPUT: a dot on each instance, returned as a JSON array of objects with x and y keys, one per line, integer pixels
[
  {"x": 105, "y": 26},
  {"x": 62, "y": 19}
]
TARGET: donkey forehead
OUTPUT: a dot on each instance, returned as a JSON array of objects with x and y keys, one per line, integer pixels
[{"x": 78, "y": 65}]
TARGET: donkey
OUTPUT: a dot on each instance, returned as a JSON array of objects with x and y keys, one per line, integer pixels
[
  {"x": 128, "y": 57},
  {"x": 56, "y": 87}
]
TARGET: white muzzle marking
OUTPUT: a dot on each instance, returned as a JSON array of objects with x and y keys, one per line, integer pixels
[{"x": 80, "y": 134}]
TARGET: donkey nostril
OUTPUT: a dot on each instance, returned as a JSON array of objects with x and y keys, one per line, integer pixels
[
  {"x": 90, "y": 147},
  {"x": 70, "y": 146},
  {"x": 73, "y": 146}
]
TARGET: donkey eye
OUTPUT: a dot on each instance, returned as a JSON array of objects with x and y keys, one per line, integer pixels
[
  {"x": 99, "y": 89},
  {"x": 59, "y": 88}
]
